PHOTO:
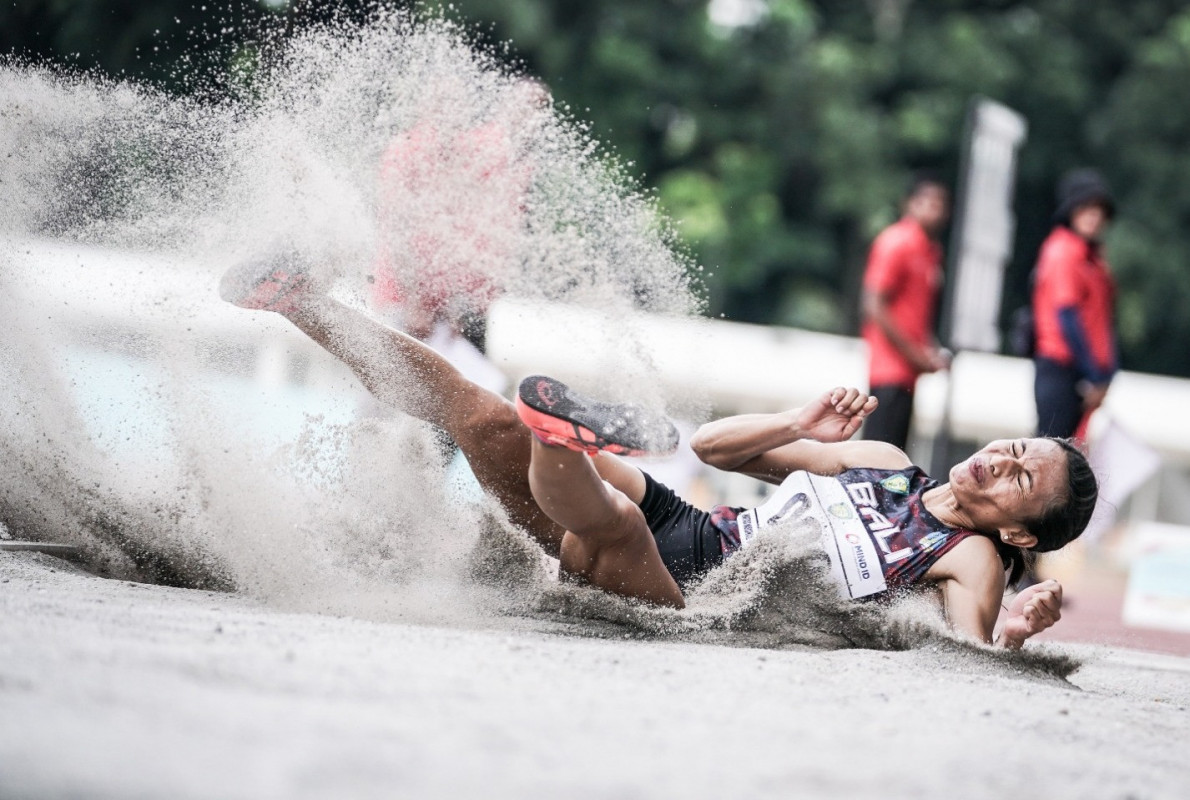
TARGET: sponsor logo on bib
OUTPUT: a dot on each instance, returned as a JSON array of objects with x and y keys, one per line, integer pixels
[
  {"x": 842, "y": 515},
  {"x": 747, "y": 527},
  {"x": 897, "y": 484}
]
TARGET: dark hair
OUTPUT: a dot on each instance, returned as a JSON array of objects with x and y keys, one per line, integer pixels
[
  {"x": 920, "y": 180},
  {"x": 1081, "y": 187},
  {"x": 1062, "y": 522}
]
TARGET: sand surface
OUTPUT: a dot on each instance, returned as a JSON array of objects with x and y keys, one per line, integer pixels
[{"x": 116, "y": 689}]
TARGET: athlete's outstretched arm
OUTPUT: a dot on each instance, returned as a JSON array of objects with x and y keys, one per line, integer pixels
[{"x": 812, "y": 438}]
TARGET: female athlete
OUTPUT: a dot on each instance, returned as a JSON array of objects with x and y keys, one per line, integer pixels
[{"x": 550, "y": 461}]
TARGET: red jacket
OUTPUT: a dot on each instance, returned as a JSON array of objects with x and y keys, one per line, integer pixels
[{"x": 1072, "y": 273}]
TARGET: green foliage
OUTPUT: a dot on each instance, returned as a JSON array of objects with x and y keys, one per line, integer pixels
[
  {"x": 782, "y": 146},
  {"x": 183, "y": 45}
]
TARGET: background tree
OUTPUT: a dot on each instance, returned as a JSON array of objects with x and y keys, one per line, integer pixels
[{"x": 780, "y": 133}]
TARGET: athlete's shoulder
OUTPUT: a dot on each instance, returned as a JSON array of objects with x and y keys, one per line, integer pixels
[
  {"x": 973, "y": 560},
  {"x": 881, "y": 456},
  {"x": 906, "y": 474}
]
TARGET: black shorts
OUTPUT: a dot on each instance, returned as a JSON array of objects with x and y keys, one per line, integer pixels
[{"x": 688, "y": 541}]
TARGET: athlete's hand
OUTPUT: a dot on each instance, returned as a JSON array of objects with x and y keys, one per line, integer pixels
[
  {"x": 836, "y": 415},
  {"x": 1031, "y": 612}
]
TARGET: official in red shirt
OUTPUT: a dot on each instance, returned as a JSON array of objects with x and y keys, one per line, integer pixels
[
  {"x": 900, "y": 295},
  {"x": 1073, "y": 300},
  {"x": 452, "y": 213}
]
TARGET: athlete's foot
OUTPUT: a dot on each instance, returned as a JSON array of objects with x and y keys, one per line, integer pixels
[
  {"x": 557, "y": 415},
  {"x": 277, "y": 282}
]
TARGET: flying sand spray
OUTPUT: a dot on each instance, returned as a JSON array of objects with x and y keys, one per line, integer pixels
[{"x": 299, "y": 162}]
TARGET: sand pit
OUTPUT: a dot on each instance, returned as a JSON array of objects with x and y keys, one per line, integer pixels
[{"x": 115, "y": 689}]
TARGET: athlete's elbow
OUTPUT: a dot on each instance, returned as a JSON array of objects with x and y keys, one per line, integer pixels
[{"x": 704, "y": 443}]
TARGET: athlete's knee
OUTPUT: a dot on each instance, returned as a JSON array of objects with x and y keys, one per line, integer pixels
[
  {"x": 618, "y": 521},
  {"x": 598, "y": 540}
]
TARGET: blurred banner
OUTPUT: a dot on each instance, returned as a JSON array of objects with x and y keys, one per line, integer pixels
[
  {"x": 1122, "y": 463},
  {"x": 981, "y": 239},
  {"x": 1158, "y": 594}
]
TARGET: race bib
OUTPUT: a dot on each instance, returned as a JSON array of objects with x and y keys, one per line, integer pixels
[{"x": 854, "y": 562}]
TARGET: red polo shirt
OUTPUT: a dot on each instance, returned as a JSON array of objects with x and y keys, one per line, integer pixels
[
  {"x": 905, "y": 266},
  {"x": 1071, "y": 272},
  {"x": 450, "y": 216}
]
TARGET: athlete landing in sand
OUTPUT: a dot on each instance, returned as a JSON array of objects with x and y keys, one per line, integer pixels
[{"x": 549, "y": 461}]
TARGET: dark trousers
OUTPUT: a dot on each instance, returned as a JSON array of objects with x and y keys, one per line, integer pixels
[
  {"x": 1059, "y": 406},
  {"x": 890, "y": 422}
]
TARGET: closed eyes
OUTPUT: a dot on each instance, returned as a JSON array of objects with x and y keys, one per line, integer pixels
[{"x": 1024, "y": 474}]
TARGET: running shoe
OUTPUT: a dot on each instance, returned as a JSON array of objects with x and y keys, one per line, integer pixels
[
  {"x": 273, "y": 283},
  {"x": 558, "y": 415}
]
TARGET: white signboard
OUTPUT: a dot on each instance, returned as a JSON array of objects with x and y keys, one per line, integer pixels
[{"x": 985, "y": 226}]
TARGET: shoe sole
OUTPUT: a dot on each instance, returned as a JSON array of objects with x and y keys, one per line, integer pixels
[
  {"x": 560, "y": 416},
  {"x": 270, "y": 284}
]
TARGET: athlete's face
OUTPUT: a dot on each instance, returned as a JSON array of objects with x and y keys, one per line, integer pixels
[{"x": 1008, "y": 483}]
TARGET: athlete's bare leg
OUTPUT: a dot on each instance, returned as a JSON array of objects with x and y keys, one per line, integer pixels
[
  {"x": 607, "y": 540},
  {"x": 411, "y": 377}
]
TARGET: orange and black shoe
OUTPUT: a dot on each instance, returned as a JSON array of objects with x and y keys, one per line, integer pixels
[
  {"x": 558, "y": 415},
  {"x": 277, "y": 282}
]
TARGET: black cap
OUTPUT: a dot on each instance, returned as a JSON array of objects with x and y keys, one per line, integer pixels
[{"x": 1081, "y": 187}]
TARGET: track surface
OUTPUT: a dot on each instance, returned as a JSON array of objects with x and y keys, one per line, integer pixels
[{"x": 110, "y": 689}]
